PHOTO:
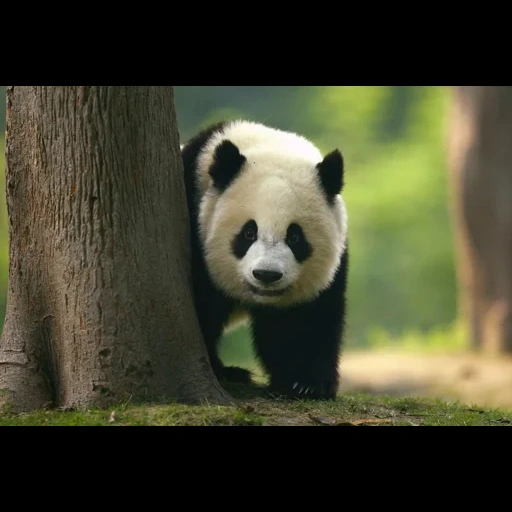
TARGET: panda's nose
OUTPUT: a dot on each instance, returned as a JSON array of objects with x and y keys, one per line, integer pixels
[{"x": 267, "y": 276}]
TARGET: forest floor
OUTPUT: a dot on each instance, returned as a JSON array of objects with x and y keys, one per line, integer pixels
[
  {"x": 351, "y": 410},
  {"x": 379, "y": 388},
  {"x": 473, "y": 379}
]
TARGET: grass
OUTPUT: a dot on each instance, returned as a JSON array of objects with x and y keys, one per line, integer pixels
[{"x": 253, "y": 410}]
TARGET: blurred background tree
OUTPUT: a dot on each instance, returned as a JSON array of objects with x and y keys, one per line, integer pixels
[
  {"x": 481, "y": 170},
  {"x": 402, "y": 276}
]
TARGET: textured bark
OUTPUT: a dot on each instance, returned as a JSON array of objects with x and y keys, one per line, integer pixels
[
  {"x": 481, "y": 170},
  {"x": 99, "y": 301}
]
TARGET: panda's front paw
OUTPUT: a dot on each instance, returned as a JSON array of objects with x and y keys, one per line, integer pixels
[
  {"x": 300, "y": 389},
  {"x": 306, "y": 389}
]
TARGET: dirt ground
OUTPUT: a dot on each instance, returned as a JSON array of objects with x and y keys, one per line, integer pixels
[{"x": 472, "y": 379}]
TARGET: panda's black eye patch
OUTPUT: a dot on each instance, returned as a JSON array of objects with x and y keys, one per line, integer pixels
[
  {"x": 296, "y": 241},
  {"x": 244, "y": 240}
]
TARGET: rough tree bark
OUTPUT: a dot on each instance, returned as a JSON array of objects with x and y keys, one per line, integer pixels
[
  {"x": 99, "y": 300},
  {"x": 481, "y": 172}
]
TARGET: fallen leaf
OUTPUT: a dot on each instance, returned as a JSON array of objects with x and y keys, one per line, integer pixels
[
  {"x": 364, "y": 423},
  {"x": 324, "y": 421}
]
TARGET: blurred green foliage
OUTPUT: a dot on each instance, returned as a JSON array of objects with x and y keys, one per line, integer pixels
[{"x": 402, "y": 276}]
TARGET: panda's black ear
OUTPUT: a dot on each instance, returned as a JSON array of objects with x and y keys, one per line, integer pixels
[
  {"x": 331, "y": 172},
  {"x": 227, "y": 163}
]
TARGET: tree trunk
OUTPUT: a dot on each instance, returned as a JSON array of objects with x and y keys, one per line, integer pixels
[
  {"x": 99, "y": 305},
  {"x": 481, "y": 169}
]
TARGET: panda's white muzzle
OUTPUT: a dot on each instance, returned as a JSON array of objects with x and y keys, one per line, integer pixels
[{"x": 269, "y": 268}]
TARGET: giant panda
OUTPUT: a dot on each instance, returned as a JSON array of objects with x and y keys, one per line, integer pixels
[{"x": 269, "y": 233}]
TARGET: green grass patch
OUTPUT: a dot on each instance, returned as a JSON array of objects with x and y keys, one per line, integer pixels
[
  {"x": 147, "y": 415},
  {"x": 252, "y": 409}
]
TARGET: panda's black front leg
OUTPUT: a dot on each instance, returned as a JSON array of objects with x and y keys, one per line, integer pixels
[{"x": 299, "y": 349}]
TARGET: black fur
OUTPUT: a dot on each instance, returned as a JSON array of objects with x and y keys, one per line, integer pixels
[
  {"x": 227, "y": 163},
  {"x": 298, "y": 347},
  {"x": 297, "y": 242},
  {"x": 243, "y": 241},
  {"x": 331, "y": 171}
]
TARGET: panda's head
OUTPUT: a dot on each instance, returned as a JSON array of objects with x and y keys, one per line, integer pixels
[{"x": 272, "y": 222}]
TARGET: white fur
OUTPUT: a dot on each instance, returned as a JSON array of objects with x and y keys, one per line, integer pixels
[{"x": 278, "y": 186}]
